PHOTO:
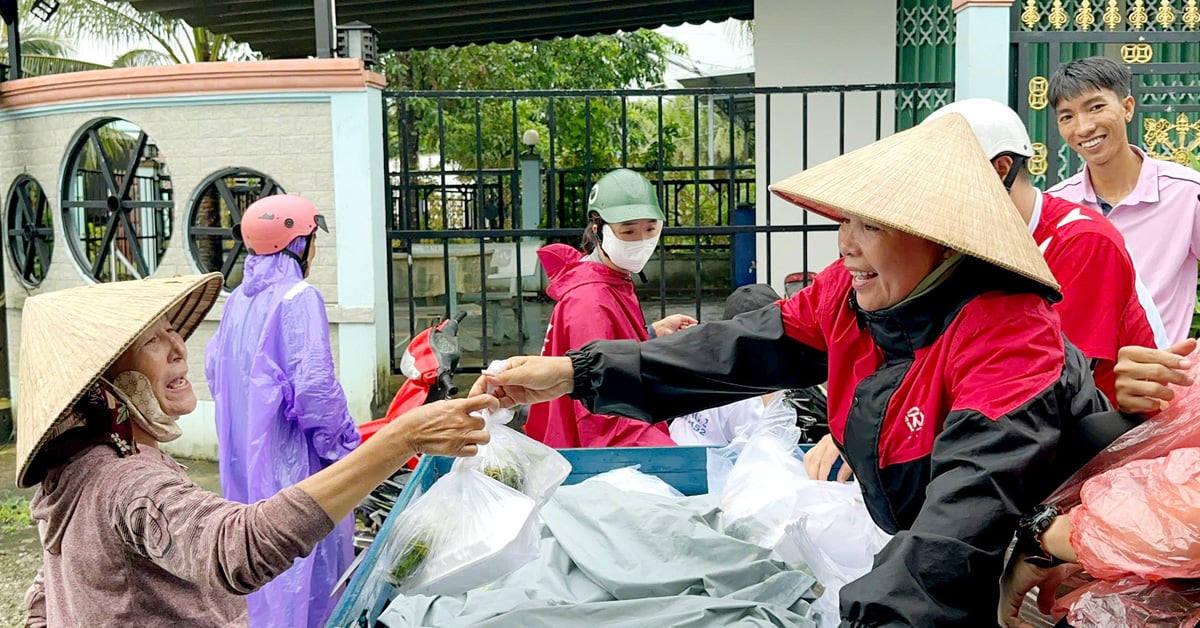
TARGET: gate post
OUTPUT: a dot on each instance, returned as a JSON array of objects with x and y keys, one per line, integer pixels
[
  {"x": 981, "y": 49},
  {"x": 361, "y": 218}
]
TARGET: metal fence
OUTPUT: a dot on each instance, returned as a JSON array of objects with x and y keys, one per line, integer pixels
[{"x": 473, "y": 193}]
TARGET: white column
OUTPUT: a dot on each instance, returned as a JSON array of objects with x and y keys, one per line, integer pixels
[
  {"x": 363, "y": 354},
  {"x": 981, "y": 49},
  {"x": 812, "y": 42}
]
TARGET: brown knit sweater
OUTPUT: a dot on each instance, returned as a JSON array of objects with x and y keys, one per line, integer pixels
[{"x": 133, "y": 542}]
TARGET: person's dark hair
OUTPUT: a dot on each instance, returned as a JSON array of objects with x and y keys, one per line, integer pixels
[
  {"x": 591, "y": 239},
  {"x": 748, "y": 298},
  {"x": 1081, "y": 75}
]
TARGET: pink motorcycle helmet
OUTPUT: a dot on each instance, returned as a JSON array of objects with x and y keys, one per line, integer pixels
[{"x": 272, "y": 222}]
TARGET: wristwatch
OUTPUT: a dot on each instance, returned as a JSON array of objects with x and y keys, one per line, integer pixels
[{"x": 1029, "y": 536}]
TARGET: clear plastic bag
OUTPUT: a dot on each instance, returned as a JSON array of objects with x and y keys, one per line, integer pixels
[
  {"x": 467, "y": 530},
  {"x": 721, "y": 460},
  {"x": 515, "y": 459},
  {"x": 1132, "y": 602},
  {"x": 632, "y": 479},
  {"x": 1173, "y": 428},
  {"x": 760, "y": 496},
  {"x": 834, "y": 535}
]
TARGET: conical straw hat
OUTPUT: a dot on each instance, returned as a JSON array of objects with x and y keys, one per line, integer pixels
[
  {"x": 932, "y": 181},
  {"x": 70, "y": 337}
]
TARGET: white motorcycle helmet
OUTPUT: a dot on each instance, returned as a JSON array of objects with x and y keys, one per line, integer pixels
[{"x": 997, "y": 127}]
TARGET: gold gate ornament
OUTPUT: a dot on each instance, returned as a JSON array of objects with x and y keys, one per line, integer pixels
[
  {"x": 1058, "y": 16},
  {"x": 1137, "y": 53},
  {"x": 1166, "y": 14},
  {"x": 1112, "y": 15},
  {"x": 1191, "y": 15},
  {"x": 1030, "y": 16},
  {"x": 1084, "y": 18},
  {"x": 1039, "y": 87},
  {"x": 1138, "y": 16},
  {"x": 1037, "y": 164},
  {"x": 1180, "y": 150}
]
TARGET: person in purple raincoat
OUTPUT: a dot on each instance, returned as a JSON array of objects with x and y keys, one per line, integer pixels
[{"x": 281, "y": 414}]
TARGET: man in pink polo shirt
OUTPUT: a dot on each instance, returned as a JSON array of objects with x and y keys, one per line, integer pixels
[{"x": 1155, "y": 204}]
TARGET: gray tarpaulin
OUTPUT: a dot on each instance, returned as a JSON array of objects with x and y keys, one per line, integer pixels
[{"x": 612, "y": 558}]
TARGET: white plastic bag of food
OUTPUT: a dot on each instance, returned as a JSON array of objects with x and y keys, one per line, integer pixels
[
  {"x": 632, "y": 479},
  {"x": 759, "y": 497},
  {"x": 779, "y": 421},
  {"x": 466, "y": 531},
  {"x": 515, "y": 459},
  {"x": 833, "y": 534}
]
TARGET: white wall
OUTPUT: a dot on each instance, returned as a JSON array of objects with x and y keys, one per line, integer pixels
[
  {"x": 325, "y": 145},
  {"x": 804, "y": 42}
]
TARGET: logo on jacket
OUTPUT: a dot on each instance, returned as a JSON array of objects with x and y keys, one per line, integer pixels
[{"x": 914, "y": 419}]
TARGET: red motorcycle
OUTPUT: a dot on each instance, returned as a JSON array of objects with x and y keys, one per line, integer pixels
[{"x": 429, "y": 363}]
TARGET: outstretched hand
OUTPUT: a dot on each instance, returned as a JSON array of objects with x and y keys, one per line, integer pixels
[
  {"x": 445, "y": 428},
  {"x": 528, "y": 379},
  {"x": 672, "y": 324},
  {"x": 1143, "y": 375}
]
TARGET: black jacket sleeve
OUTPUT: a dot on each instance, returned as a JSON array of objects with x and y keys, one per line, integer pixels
[
  {"x": 694, "y": 369},
  {"x": 985, "y": 473}
]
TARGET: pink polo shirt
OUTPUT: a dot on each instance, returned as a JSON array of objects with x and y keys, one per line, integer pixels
[{"x": 1160, "y": 220}]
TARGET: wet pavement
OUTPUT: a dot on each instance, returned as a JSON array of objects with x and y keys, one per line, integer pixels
[{"x": 20, "y": 552}]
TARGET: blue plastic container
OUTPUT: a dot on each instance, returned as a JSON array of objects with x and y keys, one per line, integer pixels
[{"x": 685, "y": 468}]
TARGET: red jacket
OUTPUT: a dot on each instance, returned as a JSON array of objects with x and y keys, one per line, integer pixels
[
  {"x": 594, "y": 302},
  {"x": 949, "y": 407},
  {"x": 1100, "y": 310}
]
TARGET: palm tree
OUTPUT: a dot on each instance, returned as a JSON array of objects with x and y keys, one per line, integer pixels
[
  {"x": 152, "y": 39},
  {"x": 43, "y": 52}
]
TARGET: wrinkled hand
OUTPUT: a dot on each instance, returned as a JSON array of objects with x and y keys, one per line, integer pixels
[
  {"x": 446, "y": 427},
  {"x": 672, "y": 324},
  {"x": 1143, "y": 375},
  {"x": 528, "y": 379},
  {"x": 819, "y": 460},
  {"x": 1020, "y": 578}
]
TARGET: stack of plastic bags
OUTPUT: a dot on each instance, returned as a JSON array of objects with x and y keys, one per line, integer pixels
[
  {"x": 479, "y": 522},
  {"x": 768, "y": 499}
]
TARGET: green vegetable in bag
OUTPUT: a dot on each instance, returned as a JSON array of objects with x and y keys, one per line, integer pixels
[
  {"x": 409, "y": 561},
  {"x": 507, "y": 475}
]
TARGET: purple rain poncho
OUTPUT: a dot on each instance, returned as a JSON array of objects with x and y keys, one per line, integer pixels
[{"x": 281, "y": 416}]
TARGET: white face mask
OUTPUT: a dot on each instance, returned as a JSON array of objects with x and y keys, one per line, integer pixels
[
  {"x": 137, "y": 397},
  {"x": 628, "y": 256}
]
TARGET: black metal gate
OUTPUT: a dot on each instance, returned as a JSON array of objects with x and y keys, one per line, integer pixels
[
  {"x": 476, "y": 181},
  {"x": 1158, "y": 41}
]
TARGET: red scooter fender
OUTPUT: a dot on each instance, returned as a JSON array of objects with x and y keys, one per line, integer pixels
[{"x": 429, "y": 362}]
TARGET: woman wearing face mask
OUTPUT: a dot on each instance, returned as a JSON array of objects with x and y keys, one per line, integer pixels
[
  {"x": 127, "y": 538},
  {"x": 596, "y": 301}
]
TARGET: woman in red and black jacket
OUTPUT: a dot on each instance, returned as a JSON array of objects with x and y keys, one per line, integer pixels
[{"x": 950, "y": 381}]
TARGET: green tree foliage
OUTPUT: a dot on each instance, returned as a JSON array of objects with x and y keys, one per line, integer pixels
[{"x": 590, "y": 133}]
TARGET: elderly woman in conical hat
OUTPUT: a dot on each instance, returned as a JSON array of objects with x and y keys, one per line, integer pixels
[
  {"x": 128, "y": 539},
  {"x": 949, "y": 380}
]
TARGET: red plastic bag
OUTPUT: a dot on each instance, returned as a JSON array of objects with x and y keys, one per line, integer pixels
[
  {"x": 1141, "y": 519},
  {"x": 1133, "y": 603},
  {"x": 1176, "y": 427}
]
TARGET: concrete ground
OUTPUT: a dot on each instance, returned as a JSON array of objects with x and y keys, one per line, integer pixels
[{"x": 20, "y": 551}]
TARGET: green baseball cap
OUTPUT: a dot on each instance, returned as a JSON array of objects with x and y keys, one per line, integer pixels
[{"x": 623, "y": 195}]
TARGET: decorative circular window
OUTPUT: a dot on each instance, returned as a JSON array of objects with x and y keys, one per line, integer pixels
[
  {"x": 216, "y": 209},
  {"x": 30, "y": 232},
  {"x": 117, "y": 201}
]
